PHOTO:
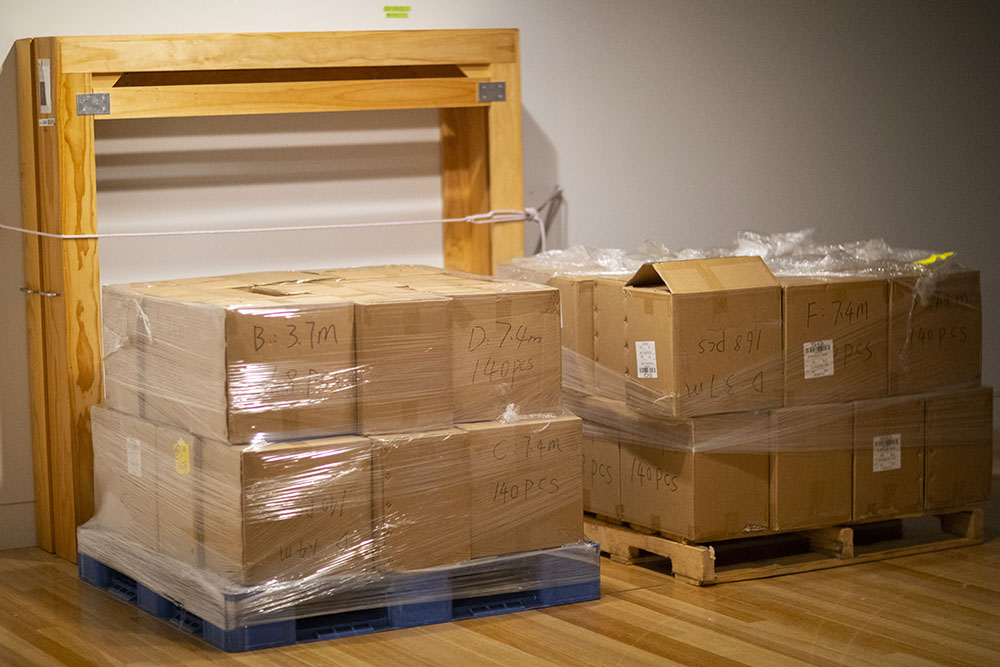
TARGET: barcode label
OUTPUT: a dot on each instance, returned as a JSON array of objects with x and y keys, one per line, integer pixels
[
  {"x": 133, "y": 456},
  {"x": 645, "y": 358},
  {"x": 886, "y": 452},
  {"x": 817, "y": 357}
]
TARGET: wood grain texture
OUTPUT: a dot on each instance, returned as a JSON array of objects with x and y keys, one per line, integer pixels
[
  {"x": 81, "y": 287},
  {"x": 144, "y": 53},
  {"x": 289, "y": 97},
  {"x": 40, "y": 455},
  {"x": 481, "y": 163},
  {"x": 57, "y": 408},
  {"x": 465, "y": 188},
  {"x": 67, "y": 205},
  {"x": 937, "y": 608},
  {"x": 828, "y": 547},
  {"x": 506, "y": 175}
]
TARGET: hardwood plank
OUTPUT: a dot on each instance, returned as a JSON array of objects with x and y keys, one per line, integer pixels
[
  {"x": 40, "y": 454},
  {"x": 278, "y": 50},
  {"x": 176, "y": 101},
  {"x": 546, "y": 636},
  {"x": 611, "y": 619}
]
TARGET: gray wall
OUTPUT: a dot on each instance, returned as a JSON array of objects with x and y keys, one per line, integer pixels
[{"x": 681, "y": 122}]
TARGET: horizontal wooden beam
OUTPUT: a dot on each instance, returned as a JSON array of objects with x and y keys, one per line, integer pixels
[
  {"x": 139, "y": 53},
  {"x": 290, "y": 97}
]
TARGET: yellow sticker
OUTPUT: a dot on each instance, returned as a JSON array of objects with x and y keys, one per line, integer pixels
[
  {"x": 939, "y": 257},
  {"x": 182, "y": 457}
]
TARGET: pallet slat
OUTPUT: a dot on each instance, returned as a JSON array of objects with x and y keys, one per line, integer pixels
[{"x": 827, "y": 548}]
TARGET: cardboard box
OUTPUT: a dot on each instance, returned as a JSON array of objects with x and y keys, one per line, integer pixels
[
  {"x": 181, "y": 491},
  {"x": 704, "y": 337},
  {"x": 888, "y": 457},
  {"x": 609, "y": 337},
  {"x": 403, "y": 345},
  {"x": 526, "y": 486},
  {"x": 811, "y": 466},
  {"x": 421, "y": 499},
  {"x": 229, "y": 363},
  {"x": 935, "y": 332},
  {"x": 505, "y": 344},
  {"x": 697, "y": 479},
  {"x": 370, "y": 273},
  {"x": 125, "y": 474},
  {"x": 242, "y": 280},
  {"x": 602, "y": 478},
  {"x": 576, "y": 318},
  {"x": 959, "y": 432},
  {"x": 835, "y": 339},
  {"x": 286, "y": 510}
]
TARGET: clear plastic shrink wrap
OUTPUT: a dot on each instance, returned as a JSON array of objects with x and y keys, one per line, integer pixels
[
  {"x": 726, "y": 396},
  {"x": 275, "y": 446}
]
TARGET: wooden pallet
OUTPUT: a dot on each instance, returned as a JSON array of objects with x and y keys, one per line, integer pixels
[{"x": 787, "y": 553}]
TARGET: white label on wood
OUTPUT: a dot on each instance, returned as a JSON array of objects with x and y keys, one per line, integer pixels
[
  {"x": 44, "y": 86},
  {"x": 886, "y": 452},
  {"x": 818, "y": 359},
  {"x": 133, "y": 456},
  {"x": 645, "y": 358}
]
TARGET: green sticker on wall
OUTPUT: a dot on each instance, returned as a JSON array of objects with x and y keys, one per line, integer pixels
[{"x": 396, "y": 11}]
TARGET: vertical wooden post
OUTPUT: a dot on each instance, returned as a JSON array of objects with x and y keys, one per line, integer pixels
[
  {"x": 506, "y": 175},
  {"x": 465, "y": 188},
  {"x": 27, "y": 102},
  {"x": 481, "y": 170},
  {"x": 69, "y": 268}
]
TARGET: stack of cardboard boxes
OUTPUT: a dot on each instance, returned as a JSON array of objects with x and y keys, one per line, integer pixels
[
  {"x": 270, "y": 427},
  {"x": 720, "y": 401}
]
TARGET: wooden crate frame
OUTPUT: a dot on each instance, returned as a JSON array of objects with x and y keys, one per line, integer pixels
[{"x": 155, "y": 76}]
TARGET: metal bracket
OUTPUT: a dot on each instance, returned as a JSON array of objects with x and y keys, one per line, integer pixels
[
  {"x": 28, "y": 290},
  {"x": 93, "y": 104},
  {"x": 492, "y": 91}
]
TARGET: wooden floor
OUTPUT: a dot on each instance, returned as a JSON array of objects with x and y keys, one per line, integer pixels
[{"x": 939, "y": 608}]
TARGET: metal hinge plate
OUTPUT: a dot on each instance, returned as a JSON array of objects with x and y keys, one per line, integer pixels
[
  {"x": 93, "y": 104},
  {"x": 492, "y": 91}
]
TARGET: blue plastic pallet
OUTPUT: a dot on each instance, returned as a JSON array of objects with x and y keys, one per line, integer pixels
[{"x": 361, "y": 622}]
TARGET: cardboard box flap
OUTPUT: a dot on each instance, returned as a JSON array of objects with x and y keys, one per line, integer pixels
[{"x": 705, "y": 275}]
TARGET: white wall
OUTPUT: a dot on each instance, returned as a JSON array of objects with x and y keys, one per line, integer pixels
[{"x": 682, "y": 122}]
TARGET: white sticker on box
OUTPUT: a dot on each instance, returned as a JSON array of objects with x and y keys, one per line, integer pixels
[
  {"x": 886, "y": 452},
  {"x": 133, "y": 456},
  {"x": 818, "y": 359},
  {"x": 645, "y": 358}
]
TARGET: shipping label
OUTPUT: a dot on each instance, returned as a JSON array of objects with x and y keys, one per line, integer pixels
[
  {"x": 645, "y": 358},
  {"x": 817, "y": 359}
]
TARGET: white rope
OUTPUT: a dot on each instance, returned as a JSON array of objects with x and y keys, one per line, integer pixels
[{"x": 527, "y": 215}]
